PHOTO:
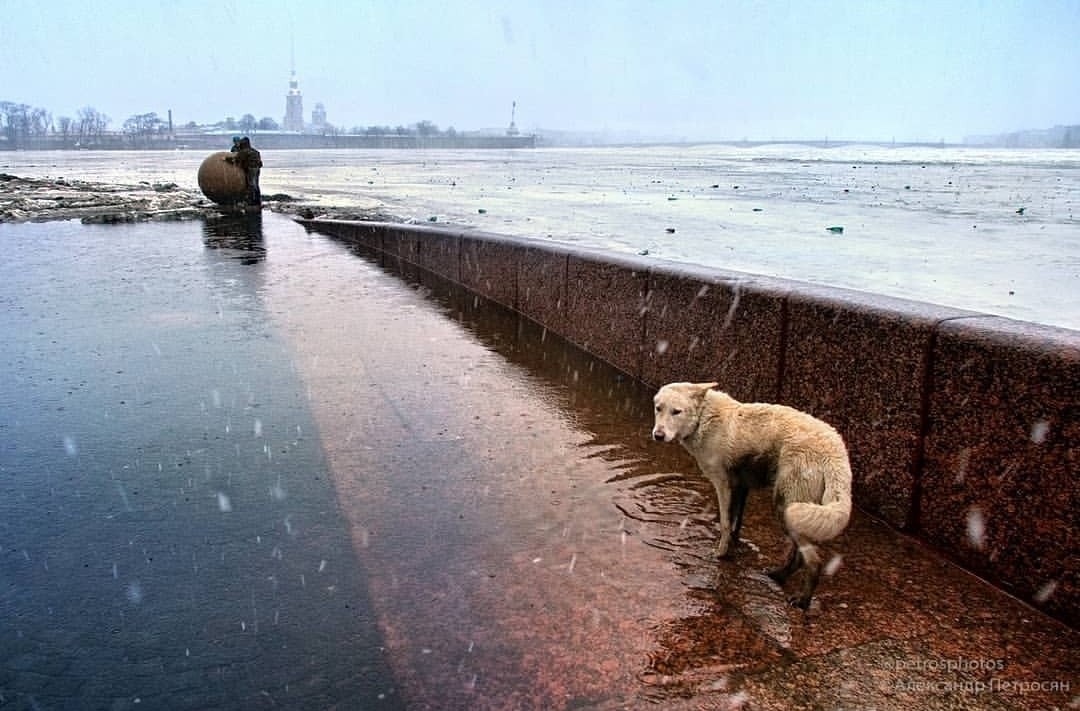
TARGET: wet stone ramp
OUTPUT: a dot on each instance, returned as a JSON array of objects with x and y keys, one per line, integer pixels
[
  {"x": 555, "y": 557},
  {"x": 475, "y": 459},
  {"x": 408, "y": 497}
]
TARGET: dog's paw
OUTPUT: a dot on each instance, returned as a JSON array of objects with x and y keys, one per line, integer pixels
[
  {"x": 779, "y": 575},
  {"x": 800, "y": 601}
]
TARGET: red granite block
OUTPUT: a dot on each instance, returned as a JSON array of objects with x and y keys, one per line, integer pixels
[
  {"x": 1000, "y": 487},
  {"x": 858, "y": 361},
  {"x": 489, "y": 266},
  {"x": 704, "y": 325},
  {"x": 401, "y": 241},
  {"x": 541, "y": 291},
  {"x": 366, "y": 234},
  {"x": 605, "y": 308},
  {"x": 440, "y": 253},
  {"x": 493, "y": 324}
]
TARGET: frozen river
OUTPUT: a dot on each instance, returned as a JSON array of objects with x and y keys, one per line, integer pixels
[{"x": 996, "y": 231}]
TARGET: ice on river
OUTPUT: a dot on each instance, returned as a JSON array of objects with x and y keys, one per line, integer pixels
[{"x": 991, "y": 230}]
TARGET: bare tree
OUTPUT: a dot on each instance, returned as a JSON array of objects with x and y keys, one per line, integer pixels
[
  {"x": 40, "y": 122},
  {"x": 91, "y": 124},
  {"x": 15, "y": 119},
  {"x": 142, "y": 128},
  {"x": 9, "y": 122},
  {"x": 64, "y": 125}
]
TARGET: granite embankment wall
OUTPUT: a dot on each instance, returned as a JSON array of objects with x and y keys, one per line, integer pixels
[{"x": 963, "y": 428}]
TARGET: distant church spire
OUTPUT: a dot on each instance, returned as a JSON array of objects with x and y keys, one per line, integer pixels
[
  {"x": 294, "y": 102},
  {"x": 512, "y": 130}
]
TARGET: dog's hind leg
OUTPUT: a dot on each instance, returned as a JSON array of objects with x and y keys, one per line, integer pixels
[
  {"x": 812, "y": 560},
  {"x": 794, "y": 556},
  {"x": 801, "y": 553},
  {"x": 793, "y": 563}
]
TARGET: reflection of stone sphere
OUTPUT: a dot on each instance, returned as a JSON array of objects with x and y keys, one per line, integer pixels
[{"x": 221, "y": 181}]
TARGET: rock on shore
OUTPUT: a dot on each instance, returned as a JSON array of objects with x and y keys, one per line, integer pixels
[{"x": 45, "y": 199}]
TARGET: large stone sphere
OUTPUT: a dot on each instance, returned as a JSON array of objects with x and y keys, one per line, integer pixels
[{"x": 221, "y": 181}]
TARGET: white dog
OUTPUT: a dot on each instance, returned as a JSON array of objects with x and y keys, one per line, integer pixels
[{"x": 740, "y": 446}]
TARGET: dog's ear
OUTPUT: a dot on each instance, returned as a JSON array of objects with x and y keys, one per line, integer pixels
[{"x": 700, "y": 389}]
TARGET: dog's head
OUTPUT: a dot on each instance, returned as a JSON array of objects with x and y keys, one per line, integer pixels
[{"x": 678, "y": 407}]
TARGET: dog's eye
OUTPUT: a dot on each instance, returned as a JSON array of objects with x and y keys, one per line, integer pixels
[
  {"x": 676, "y": 412},
  {"x": 658, "y": 408}
]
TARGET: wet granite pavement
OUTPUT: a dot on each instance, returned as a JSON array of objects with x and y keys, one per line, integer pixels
[{"x": 246, "y": 467}]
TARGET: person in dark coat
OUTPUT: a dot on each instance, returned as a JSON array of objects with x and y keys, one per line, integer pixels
[{"x": 250, "y": 160}]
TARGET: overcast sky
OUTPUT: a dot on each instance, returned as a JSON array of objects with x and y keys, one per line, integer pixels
[{"x": 909, "y": 70}]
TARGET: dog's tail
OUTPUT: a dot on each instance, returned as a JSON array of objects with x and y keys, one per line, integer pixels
[{"x": 824, "y": 521}]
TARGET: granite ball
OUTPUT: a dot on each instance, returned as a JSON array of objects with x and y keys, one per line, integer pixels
[{"x": 221, "y": 181}]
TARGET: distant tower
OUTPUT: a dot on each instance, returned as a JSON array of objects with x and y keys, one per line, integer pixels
[
  {"x": 318, "y": 117},
  {"x": 294, "y": 106},
  {"x": 512, "y": 130}
]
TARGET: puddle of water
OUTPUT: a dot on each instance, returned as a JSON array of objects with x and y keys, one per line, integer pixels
[
  {"x": 481, "y": 461},
  {"x": 169, "y": 534}
]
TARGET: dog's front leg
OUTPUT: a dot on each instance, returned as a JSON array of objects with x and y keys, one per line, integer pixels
[{"x": 723, "y": 516}]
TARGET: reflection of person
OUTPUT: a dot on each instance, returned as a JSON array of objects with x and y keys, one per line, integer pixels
[
  {"x": 250, "y": 160},
  {"x": 239, "y": 236}
]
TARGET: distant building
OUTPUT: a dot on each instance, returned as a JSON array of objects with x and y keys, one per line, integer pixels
[
  {"x": 318, "y": 118},
  {"x": 1056, "y": 137},
  {"x": 294, "y": 106}
]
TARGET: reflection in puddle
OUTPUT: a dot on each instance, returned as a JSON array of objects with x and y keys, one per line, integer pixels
[{"x": 241, "y": 233}]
